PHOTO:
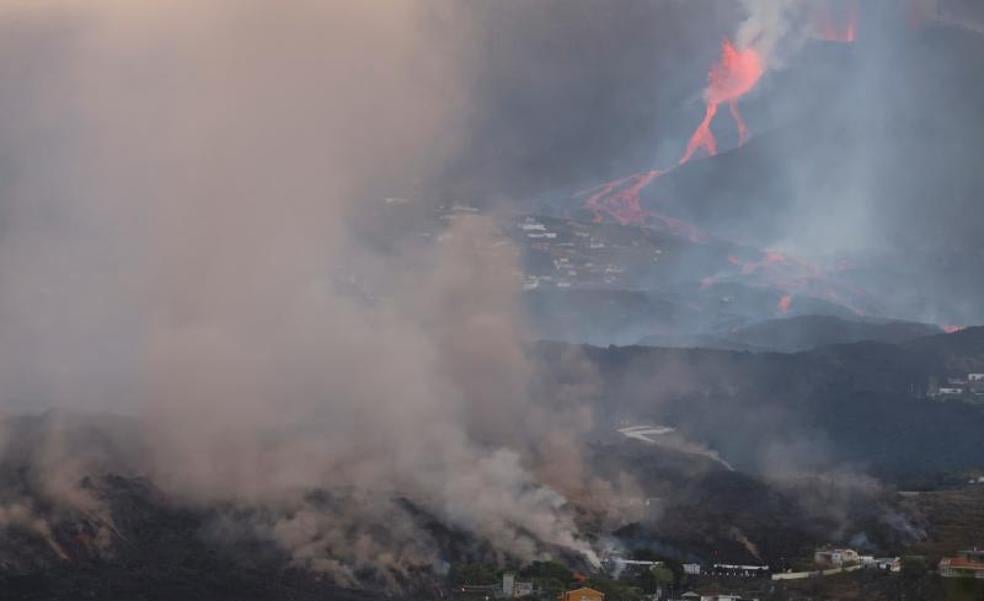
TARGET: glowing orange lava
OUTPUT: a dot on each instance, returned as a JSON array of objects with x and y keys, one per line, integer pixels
[
  {"x": 794, "y": 276},
  {"x": 620, "y": 199},
  {"x": 735, "y": 75},
  {"x": 785, "y": 304}
]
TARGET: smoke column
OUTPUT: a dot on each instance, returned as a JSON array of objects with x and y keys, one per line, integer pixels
[{"x": 175, "y": 234}]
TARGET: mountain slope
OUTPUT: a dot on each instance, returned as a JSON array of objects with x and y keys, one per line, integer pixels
[{"x": 859, "y": 404}]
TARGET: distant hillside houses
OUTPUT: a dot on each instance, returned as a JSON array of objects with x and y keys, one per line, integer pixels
[
  {"x": 836, "y": 558},
  {"x": 967, "y": 564},
  {"x": 831, "y": 561},
  {"x": 720, "y": 597},
  {"x": 583, "y": 594},
  {"x": 969, "y": 388},
  {"x": 740, "y": 571},
  {"x": 508, "y": 588},
  {"x": 563, "y": 253}
]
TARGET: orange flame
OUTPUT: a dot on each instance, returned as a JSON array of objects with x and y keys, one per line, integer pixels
[{"x": 738, "y": 71}]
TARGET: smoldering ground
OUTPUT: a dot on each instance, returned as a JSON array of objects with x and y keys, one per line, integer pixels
[{"x": 180, "y": 176}]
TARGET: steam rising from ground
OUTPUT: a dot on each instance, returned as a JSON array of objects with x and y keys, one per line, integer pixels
[{"x": 173, "y": 243}]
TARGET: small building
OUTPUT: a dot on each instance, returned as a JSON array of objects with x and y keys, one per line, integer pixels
[
  {"x": 691, "y": 569},
  {"x": 975, "y": 378},
  {"x": 950, "y": 391},
  {"x": 508, "y": 585},
  {"x": 725, "y": 598},
  {"x": 476, "y": 591},
  {"x": 514, "y": 589},
  {"x": 621, "y": 563},
  {"x": 583, "y": 594},
  {"x": 967, "y": 564},
  {"x": 740, "y": 571},
  {"x": 522, "y": 589},
  {"x": 836, "y": 557}
]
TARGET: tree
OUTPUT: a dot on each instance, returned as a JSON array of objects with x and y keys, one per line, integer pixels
[{"x": 473, "y": 574}]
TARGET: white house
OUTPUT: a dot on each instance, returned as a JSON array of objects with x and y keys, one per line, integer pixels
[{"x": 836, "y": 557}]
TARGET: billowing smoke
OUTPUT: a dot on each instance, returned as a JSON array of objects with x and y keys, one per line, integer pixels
[
  {"x": 772, "y": 27},
  {"x": 176, "y": 246}
]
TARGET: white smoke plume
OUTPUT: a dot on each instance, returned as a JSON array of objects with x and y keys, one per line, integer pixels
[
  {"x": 175, "y": 230},
  {"x": 774, "y": 28},
  {"x": 20, "y": 515}
]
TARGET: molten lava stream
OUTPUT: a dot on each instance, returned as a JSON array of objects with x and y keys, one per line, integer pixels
[
  {"x": 703, "y": 137},
  {"x": 739, "y": 122},
  {"x": 620, "y": 199},
  {"x": 735, "y": 75}
]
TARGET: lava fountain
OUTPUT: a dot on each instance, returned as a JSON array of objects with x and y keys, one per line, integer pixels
[{"x": 735, "y": 74}]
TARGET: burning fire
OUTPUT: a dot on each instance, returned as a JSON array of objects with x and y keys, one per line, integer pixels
[
  {"x": 836, "y": 23},
  {"x": 734, "y": 76}
]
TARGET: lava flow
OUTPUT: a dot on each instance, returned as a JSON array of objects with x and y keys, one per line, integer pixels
[
  {"x": 620, "y": 198},
  {"x": 794, "y": 276},
  {"x": 734, "y": 76}
]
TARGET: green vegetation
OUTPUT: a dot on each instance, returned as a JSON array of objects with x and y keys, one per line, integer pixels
[
  {"x": 915, "y": 566},
  {"x": 615, "y": 589},
  {"x": 963, "y": 589},
  {"x": 473, "y": 574},
  {"x": 548, "y": 576}
]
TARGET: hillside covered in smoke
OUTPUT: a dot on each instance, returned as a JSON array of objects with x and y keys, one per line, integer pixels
[
  {"x": 316, "y": 299},
  {"x": 175, "y": 247}
]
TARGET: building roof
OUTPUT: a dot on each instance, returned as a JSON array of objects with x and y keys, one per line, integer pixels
[
  {"x": 584, "y": 588},
  {"x": 962, "y": 563},
  {"x": 584, "y": 591}
]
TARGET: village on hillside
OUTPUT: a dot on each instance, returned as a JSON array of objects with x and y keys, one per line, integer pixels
[{"x": 627, "y": 579}]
